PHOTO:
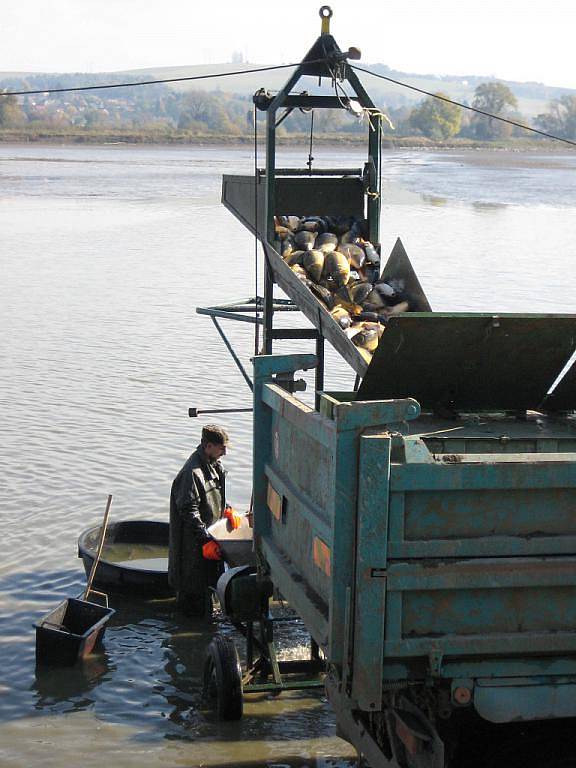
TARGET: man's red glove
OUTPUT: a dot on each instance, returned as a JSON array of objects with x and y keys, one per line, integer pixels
[
  {"x": 211, "y": 550},
  {"x": 233, "y": 517}
]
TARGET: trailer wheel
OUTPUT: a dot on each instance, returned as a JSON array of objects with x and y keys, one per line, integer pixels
[{"x": 223, "y": 679}]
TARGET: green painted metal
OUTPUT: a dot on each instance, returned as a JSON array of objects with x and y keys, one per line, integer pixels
[
  {"x": 475, "y": 362},
  {"x": 525, "y": 699},
  {"x": 371, "y": 547},
  {"x": 399, "y": 267},
  {"x": 323, "y": 60},
  {"x": 418, "y": 551},
  {"x": 303, "y": 685},
  {"x": 442, "y": 565}
]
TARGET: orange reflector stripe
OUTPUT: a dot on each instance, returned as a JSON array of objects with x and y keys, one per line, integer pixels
[
  {"x": 321, "y": 553},
  {"x": 274, "y": 501}
]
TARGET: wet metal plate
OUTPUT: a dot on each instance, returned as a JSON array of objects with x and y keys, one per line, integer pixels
[{"x": 470, "y": 361}]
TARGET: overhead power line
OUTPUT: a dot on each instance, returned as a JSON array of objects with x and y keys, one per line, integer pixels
[
  {"x": 147, "y": 82},
  {"x": 212, "y": 76},
  {"x": 465, "y": 106}
]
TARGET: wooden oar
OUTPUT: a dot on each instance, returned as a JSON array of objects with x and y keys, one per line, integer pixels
[{"x": 99, "y": 551}]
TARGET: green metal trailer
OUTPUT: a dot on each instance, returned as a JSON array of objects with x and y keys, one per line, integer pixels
[
  {"x": 432, "y": 560},
  {"x": 422, "y": 526}
]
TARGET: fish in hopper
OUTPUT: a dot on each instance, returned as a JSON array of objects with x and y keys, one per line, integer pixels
[
  {"x": 300, "y": 272},
  {"x": 333, "y": 257},
  {"x": 326, "y": 242},
  {"x": 354, "y": 253},
  {"x": 294, "y": 258},
  {"x": 305, "y": 240},
  {"x": 368, "y": 336},
  {"x": 359, "y": 291},
  {"x": 337, "y": 268},
  {"x": 287, "y": 246},
  {"x": 313, "y": 263},
  {"x": 342, "y": 316}
]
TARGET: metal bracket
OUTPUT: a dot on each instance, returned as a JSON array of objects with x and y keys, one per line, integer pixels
[
  {"x": 435, "y": 659},
  {"x": 289, "y": 383},
  {"x": 195, "y": 412}
]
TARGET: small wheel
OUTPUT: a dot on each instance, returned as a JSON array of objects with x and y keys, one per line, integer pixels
[{"x": 223, "y": 679}]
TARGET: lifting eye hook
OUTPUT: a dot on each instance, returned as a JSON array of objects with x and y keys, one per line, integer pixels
[{"x": 325, "y": 15}]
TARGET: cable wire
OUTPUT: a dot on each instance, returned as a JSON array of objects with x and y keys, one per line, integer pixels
[
  {"x": 233, "y": 73},
  {"x": 256, "y": 220},
  {"x": 310, "y": 158},
  {"x": 151, "y": 82},
  {"x": 465, "y": 106}
]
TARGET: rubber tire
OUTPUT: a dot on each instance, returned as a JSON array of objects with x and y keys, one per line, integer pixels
[{"x": 223, "y": 679}]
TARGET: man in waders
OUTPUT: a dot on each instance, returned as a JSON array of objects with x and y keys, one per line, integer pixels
[{"x": 197, "y": 500}]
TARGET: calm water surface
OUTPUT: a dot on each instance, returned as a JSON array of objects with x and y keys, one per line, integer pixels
[{"x": 106, "y": 252}]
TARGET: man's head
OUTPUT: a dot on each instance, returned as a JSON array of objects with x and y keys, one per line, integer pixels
[{"x": 214, "y": 441}]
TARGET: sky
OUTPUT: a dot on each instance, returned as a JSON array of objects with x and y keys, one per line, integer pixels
[{"x": 514, "y": 40}]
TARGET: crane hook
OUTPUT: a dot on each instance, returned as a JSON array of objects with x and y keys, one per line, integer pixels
[{"x": 325, "y": 15}]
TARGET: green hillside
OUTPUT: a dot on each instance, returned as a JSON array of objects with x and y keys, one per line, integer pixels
[{"x": 533, "y": 98}]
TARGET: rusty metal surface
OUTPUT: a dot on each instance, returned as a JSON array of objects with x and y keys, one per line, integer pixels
[{"x": 470, "y": 361}]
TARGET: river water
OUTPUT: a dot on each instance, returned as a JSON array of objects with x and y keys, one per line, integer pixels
[{"x": 105, "y": 253}]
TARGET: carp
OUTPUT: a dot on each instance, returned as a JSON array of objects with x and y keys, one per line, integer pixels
[
  {"x": 354, "y": 253},
  {"x": 294, "y": 258},
  {"x": 337, "y": 268},
  {"x": 373, "y": 301},
  {"x": 287, "y": 246},
  {"x": 322, "y": 293},
  {"x": 305, "y": 240},
  {"x": 326, "y": 242},
  {"x": 342, "y": 316},
  {"x": 300, "y": 272},
  {"x": 313, "y": 263},
  {"x": 402, "y": 306},
  {"x": 283, "y": 232},
  {"x": 368, "y": 338},
  {"x": 359, "y": 291}
]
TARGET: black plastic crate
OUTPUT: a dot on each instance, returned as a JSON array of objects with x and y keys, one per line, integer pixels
[{"x": 70, "y": 632}]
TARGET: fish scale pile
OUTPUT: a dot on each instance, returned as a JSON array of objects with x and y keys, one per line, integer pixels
[{"x": 332, "y": 256}]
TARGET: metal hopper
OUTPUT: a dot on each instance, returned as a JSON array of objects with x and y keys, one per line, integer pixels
[
  {"x": 352, "y": 192},
  {"x": 340, "y": 194},
  {"x": 449, "y": 362}
]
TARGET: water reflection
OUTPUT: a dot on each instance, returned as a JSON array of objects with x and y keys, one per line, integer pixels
[
  {"x": 65, "y": 690},
  {"x": 149, "y": 677},
  {"x": 102, "y": 355},
  {"x": 435, "y": 201},
  {"x": 481, "y": 206}
]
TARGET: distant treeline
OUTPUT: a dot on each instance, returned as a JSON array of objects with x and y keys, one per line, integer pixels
[{"x": 159, "y": 110}]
